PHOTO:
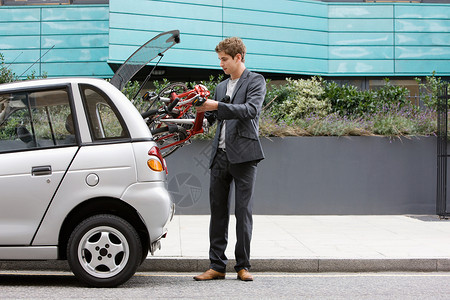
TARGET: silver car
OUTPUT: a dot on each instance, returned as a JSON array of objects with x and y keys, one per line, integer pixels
[{"x": 80, "y": 179}]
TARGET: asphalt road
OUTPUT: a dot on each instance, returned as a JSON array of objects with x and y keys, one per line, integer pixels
[{"x": 63, "y": 285}]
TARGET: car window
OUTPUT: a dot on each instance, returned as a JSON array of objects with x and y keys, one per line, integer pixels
[
  {"x": 35, "y": 119},
  {"x": 104, "y": 121}
]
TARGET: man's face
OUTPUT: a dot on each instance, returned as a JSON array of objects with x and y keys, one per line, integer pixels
[{"x": 228, "y": 63}]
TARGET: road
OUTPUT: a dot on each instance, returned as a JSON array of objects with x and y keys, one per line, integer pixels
[{"x": 63, "y": 285}]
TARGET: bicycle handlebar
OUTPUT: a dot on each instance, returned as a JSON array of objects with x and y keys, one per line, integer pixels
[
  {"x": 172, "y": 105},
  {"x": 167, "y": 109},
  {"x": 149, "y": 113}
]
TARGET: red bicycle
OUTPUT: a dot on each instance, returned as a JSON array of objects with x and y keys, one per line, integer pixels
[{"x": 171, "y": 117}]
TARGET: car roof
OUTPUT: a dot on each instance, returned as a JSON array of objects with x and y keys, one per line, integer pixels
[{"x": 49, "y": 82}]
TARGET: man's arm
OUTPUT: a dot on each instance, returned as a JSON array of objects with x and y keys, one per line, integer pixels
[
  {"x": 209, "y": 105},
  {"x": 247, "y": 110},
  {"x": 251, "y": 107}
]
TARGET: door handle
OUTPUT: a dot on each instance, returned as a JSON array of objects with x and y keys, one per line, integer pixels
[{"x": 41, "y": 170}]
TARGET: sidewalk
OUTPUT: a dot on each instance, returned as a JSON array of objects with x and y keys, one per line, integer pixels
[
  {"x": 316, "y": 244},
  {"x": 304, "y": 244}
]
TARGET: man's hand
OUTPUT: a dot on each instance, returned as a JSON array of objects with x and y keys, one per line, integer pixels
[{"x": 209, "y": 105}]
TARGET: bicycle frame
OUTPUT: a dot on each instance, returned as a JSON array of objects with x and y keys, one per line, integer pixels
[{"x": 187, "y": 100}]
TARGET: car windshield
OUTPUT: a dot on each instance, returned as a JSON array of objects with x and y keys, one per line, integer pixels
[{"x": 141, "y": 57}]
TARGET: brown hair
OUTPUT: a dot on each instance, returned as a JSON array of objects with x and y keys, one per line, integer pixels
[{"x": 232, "y": 46}]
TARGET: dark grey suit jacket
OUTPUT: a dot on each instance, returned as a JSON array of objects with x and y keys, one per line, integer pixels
[{"x": 242, "y": 118}]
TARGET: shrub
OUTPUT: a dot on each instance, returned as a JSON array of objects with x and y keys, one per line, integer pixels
[
  {"x": 315, "y": 107},
  {"x": 6, "y": 74},
  {"x": 348, "y": 99},
  {"x": 304, "y": 97},
  {"x": 390, "y": 95},
  {"x": 429, "y": 89}
]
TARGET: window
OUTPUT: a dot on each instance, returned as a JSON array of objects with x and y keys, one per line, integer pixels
[
  {"x": 104, "y": 122},
  {"x": 35, "y": 119}
]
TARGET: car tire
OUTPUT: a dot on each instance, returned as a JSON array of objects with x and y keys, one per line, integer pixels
[{"x": 104, "y": 251}]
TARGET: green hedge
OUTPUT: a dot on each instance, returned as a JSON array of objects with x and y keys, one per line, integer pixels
[{"x": 316, "y": 107}]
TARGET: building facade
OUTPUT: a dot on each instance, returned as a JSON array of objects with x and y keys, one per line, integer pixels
[{"x": 360, "y": 42}]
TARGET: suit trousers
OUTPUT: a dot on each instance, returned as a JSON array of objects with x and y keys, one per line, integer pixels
[{"x": 223, "y": 174}]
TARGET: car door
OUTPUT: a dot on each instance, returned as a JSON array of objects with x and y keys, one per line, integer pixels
[{"x": 37, "y": 144}]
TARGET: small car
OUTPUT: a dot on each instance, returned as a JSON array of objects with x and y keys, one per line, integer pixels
[{"x": 81, "y": 179}]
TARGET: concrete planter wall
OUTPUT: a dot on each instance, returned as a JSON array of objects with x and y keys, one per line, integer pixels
[{"x": 321, "y": 175}]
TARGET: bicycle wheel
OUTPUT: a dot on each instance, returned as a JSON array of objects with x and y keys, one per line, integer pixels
[
  {"x": 177, "y": 87},
  {"x": 169, "y": 138}
]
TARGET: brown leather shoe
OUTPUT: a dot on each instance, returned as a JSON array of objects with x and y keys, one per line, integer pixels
[
  {"x": 210, "y": 275},
  {"x": 244, "y": 275}
]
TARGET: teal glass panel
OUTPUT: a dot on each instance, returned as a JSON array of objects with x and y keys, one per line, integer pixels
[
  {"x": 361, "y": 53},
  {"x": 361, "y": 25},
  {"x": 75, "y": 41},
  {"x": 10, "y": 14},
  {"x": 73, "y": 13},
  {"x": 95, "y": 69},
  {"x": 19, "y": 28},
  {"x": 137, "y": 38},
  {"x": 200, "y": 2},
  {"x": 354, "y": 11},
  {"x": 422, "y": 25},
  {"x": 360, "y": 39},
  {"x": 305, "y": 8},
  {"x": 422, "y": 53},
  {"x": 76, "y": 55},
  {"x": 21, "y": 56},
  {"x": 422, "y": 39},
  {"x": 422, "y": 11},
  {"x": 273, "y": 19},
  {"x": 275, "y": 48},
  {"x": 185, "y": 11},
  {"x": 161, "y": 24},
  {"x": 189, "y": 59},
  {"x": 74, "y": 27},
  {"x": 281, "y": 34},
  {"x": 19, "y": 42},
  {"x": 175, "y": 57},
  {"x": 292, "y": 65},
  {"x": 422, "y": 67},
  {"x": 20, "y": 69},
  {"x": 361, "y": 67}
]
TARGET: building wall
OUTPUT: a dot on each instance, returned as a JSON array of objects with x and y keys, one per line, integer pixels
[
  {"x": 389, "y": 39},
  {"x": 76, "y": 38},
  {"x": 281, "y": 36},
  {"x": 285, "y": 36}
]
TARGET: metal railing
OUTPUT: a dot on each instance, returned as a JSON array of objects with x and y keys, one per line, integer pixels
[{"x": 442, "y": 154}]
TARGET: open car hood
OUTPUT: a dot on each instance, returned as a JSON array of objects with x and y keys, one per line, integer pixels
[{"x": 142, "y": 56}]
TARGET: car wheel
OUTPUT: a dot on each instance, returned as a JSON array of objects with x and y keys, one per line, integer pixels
[{"x": 104, "y": 251}]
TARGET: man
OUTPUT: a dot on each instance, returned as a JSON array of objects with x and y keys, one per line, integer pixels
[{"x": 236, "y": 153}]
